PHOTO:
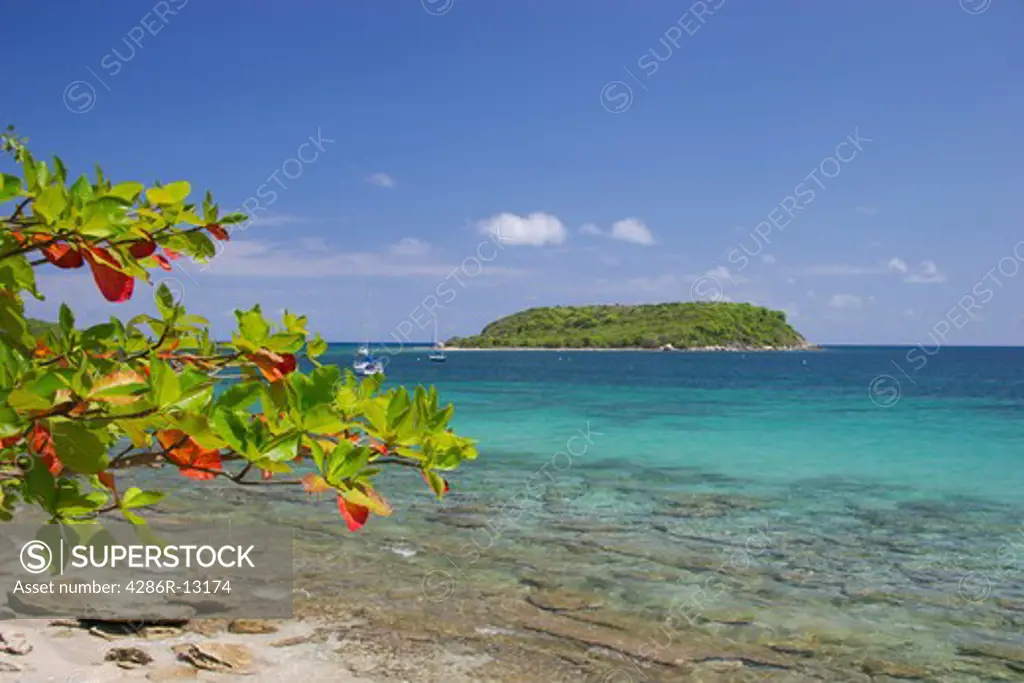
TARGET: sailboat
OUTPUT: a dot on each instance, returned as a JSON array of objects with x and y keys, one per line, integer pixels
[
  {"x": 437, "y": 355},
  {"x": 365, "y": 363}
]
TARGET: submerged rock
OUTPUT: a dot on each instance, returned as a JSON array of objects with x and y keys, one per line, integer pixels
[
  {"x": 881, "y": 667},
  {"x": 1010, "y": 655},
  {"x": 563, "y": 600}
]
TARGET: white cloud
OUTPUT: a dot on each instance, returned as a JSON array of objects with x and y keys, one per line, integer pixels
[
  {"x": 897, "y": 264},
  {"x": 769, "y": 259},
  {"x": 845, "y": 301},
  {"x": 841, "y": 269},
  {"x": 264, "y": 259},
  {"x": 381, "y": 180},
  {"x": 867, "y": 210},
  {"x": 409, "y": 246},
  {"x": 535, "y": 230},
  {"x": 632, "y": 230},
  {"x": 927, "y": 274},
  {"x": 273, "y": 220},
  {"x": 590, "y": 229}
]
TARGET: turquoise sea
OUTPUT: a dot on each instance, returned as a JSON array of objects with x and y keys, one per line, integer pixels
[{"x": 847, "y": 498}]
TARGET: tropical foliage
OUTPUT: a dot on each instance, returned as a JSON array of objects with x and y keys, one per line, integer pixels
[
  {"x": 683, "y": 325},
  {"x": 82, "y": 405}
]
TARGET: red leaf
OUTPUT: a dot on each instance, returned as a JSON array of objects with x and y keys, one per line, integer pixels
[
  {"x": 63, "y": 255},
  {"x": 172, "y": 255},
  {"x": 355, "y": 515},
  {"x": 218, "y": 231},
  {"x": 273, "y": 366},
  {"x": 163, "y": 262},
  {"x": 107, "y": 479},
  {"x": 42, "y": 444},
  {"x": 42, "y": 350},
  {"x": 115, "y": 285},
  {"x": 187, "y": 452},
  {"x": 10, "y": 441},
  {"x": 143, "y": 249}
]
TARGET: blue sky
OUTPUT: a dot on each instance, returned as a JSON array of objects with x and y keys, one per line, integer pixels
[{"x": 615, "y": 151}]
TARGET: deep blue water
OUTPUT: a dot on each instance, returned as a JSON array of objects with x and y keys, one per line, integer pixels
[{"x": 950, "y": 425}]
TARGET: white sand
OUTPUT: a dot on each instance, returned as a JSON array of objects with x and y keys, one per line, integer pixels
[{"x": 63, "y": 655}]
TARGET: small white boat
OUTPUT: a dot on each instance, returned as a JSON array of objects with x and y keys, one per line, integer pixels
[
  {"x": 437, "y": 355},
  {"x": 366, "y": 364}
]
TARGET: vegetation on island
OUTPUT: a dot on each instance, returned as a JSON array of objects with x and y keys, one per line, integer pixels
[
  {"x": 649, "y": 326},
  {"x": 80, "y": 406}
]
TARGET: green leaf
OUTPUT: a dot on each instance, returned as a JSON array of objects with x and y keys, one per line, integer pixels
[
  {"x": 37, "y": 393},
  {"x": 164, "y": 382},
  {"x": 60, "y": 172},
  {"x": 16, "y": 274},
  {"x": 284, "y": 342},
  {"x": 67, "y": 320},
  {"x": 191, "y": 218},
  {"x": 81, "y": 190},
  {"x": 10, "y": 185},
  {"x": 317, "y": 451},
  {"x": 232, "y": 218},
  {"x": 50, "y": 203},
  {"x": 128, "y": 192},
  {"x": 316, "y": 347},
  {"x": 345, "y": 461},
  {"x": 40, "y": 484},
  {"x": 132, "y": 517},
  {"x": 165, "y": 301},
  {"x": 375, "y": 412},
  {"x": 159, "y": 196},
  {"x": 10, "y": 423},
  {"x": 77, "y": 447},
  {"x": 229, "y": 426},
  {"x": 42, "y": 174},
  {"x": 253, "y": 327},
  {"x": 13, "y": 329},
  {"x": 178, "y": 191},
  {"x": 103, "y": 332},
  {"x": 436, "y": 482},
  {"x": 200, "y": 246},
  {"x": 283, "y": 448},
  {"x": 268, "y": 465},
  {"x": 137, "y": 498},
  {"x": 240, "y": 396}
]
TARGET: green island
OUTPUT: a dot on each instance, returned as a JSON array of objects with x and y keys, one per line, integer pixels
[
  {"x": 40, "y": 327},
  {"x": 667, "y": 326}
]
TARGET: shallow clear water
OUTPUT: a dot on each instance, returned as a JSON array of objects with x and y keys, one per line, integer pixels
[{"x": 740, "y": 493}]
